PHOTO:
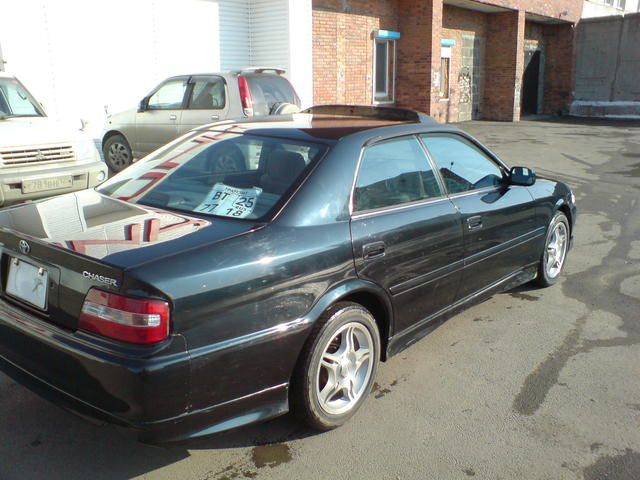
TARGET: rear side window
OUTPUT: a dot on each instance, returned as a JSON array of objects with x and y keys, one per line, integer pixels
[
  {"x": 268, "y": 91},
  {"x": 394, "y": 172},
  {"x": 217, "y": 173},
  {"x": 463, "y": 166},
  {"x": 207, "y": 94}
]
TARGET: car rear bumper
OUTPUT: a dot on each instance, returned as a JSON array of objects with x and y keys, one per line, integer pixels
[
  {"x": 83, "y": 175},
  {"x": 147, "y": 394}
]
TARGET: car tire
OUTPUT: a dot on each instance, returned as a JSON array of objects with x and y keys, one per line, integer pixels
[
  {"x": 555, "y": 250},
  {"x": 117, "y": 153},
  {"x": 337, "y": 367}
]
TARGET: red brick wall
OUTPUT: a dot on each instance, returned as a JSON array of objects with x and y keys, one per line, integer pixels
[
  {"x": 503, "y": 66},
  {"x": 343, "y": 47},
  {"x": 567, "y": 10},
  {"x": 455, "y": 23},
  {"x": 343, "y": 52},
  {"x": 418, "y": 54},
  {"x": 559, "y": 70},
  {"x": 534, "y": 34}
]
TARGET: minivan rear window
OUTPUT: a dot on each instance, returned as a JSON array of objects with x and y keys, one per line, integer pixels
[
  {"x": 268, "y": 91},
  {"x": 217, "y": 173}
]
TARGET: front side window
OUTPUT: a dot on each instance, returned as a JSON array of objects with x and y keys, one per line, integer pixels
[
  {"x": 463, "y": 166},
  {"x": 384, "y": 70},
  {"x": 15, "y": 101},
  {"x": 207, "y": 94},
  {"x": 217, "y": 173},
  {"x": 394, "y": 172},
  {"x": 169, "y": 96}
]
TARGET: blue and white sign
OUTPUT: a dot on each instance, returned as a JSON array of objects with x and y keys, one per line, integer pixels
[{"x": 387, "y": 34}]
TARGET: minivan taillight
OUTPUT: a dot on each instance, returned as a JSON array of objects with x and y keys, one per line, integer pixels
[
  {"x": 245, "y": 96},
  {"x": 129, "y": 319}
]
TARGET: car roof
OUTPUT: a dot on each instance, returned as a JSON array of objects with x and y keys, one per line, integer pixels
[
  {"x": 232, "y": 73},
  {"x": 317, "y": 124}
]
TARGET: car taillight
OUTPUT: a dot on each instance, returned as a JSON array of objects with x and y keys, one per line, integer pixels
[
  {"x": 134, "y": 320},
  {"x": 245, "y": 96}
]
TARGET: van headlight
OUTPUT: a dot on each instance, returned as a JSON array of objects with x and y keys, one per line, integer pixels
[{"x": 85, "y": 149}]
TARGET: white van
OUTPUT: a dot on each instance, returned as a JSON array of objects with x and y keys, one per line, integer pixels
[{"x": 38, "y": 157}]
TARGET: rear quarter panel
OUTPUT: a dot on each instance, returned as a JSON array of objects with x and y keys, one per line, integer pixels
[{"x": 240, "y": 304}]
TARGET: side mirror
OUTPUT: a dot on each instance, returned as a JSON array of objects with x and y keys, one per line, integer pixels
[
  {"x": 143, "y": 104},
  {"x": 522, "y": 176}
]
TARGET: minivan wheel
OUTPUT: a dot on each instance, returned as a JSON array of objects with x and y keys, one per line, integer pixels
[
  {"x": 337, "y": 367},
  {"x": 117, "y": 153},
  {"x": 555, "y": 251}
]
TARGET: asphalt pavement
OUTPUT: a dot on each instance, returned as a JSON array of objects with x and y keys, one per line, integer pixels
[{"x": 532, "y": 384}]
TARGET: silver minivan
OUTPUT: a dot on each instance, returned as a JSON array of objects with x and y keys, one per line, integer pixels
[{"x": 184, "y": 102}]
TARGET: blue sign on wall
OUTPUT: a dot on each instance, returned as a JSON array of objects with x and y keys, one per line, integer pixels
[
  {"x": 387, "y": 35},
  {"x": 448, "y": 42}
]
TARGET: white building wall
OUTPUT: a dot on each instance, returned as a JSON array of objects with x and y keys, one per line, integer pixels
[
  {"x": 234, "y": 34},
  {"x": 281, "y": 36},
  {"x": 269, "y": 36},
  {"x": 301, "y": 49},
  {"x": 599, "y": 8},
  {"x": 78, "y": 56}
]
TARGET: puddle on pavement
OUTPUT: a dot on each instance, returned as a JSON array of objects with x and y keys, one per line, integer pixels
[
  {"x": 524, "y": 296},
  {"x": 270, "y": 455},
  {"x": 634, "y": 172},
  {"x": 379, "y": 391},
  {"x": 619, "y": 467}
]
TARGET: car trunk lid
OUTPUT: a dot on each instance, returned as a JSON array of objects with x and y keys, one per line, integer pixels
[{"x": 81, "y": 240}]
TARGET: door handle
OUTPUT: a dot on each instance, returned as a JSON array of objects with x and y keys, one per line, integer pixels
[
  {"x": 373, "y": 250},
  {"x": 215, "y": 117},
  {"x": 172, "y": 117},
  {"x": 474, "y": 223}
]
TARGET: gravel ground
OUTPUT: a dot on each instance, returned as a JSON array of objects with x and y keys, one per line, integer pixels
[{"x": 532, "y": 384}]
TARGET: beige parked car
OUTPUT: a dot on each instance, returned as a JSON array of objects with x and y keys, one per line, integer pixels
[
  {"x": 184, "y": 102},
  {"x": 38, "y": 156}
]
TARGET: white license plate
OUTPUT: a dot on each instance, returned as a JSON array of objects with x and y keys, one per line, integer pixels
[
  {"x": 44, "y": 184},
  {"x": 27, "y": 282}
]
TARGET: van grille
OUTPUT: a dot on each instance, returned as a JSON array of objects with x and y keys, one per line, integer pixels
[{"x": 36, "y": 155}]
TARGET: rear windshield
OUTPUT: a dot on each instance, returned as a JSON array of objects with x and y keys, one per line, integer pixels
[
  {"x": 221, "y": 174},
  {"x": 268, "y": 91}
]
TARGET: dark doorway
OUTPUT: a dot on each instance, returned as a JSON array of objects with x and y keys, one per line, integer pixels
[{"x": 530, "y": 82}]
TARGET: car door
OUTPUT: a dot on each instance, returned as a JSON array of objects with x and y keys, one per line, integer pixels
[
  {"x": 206, "y": 103},
  {"x": 406, "y": 233},
  {"x": 498, "y": 218},
  {"x": 158, "y": 123}
]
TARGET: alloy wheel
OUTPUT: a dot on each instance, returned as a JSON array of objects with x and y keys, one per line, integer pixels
[
  {"x": 345, "y": 369},
  {"x": 556, "y": 250}
]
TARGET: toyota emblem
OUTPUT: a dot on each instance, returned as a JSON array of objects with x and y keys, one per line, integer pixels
[{"x": 24, "y": 247}]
